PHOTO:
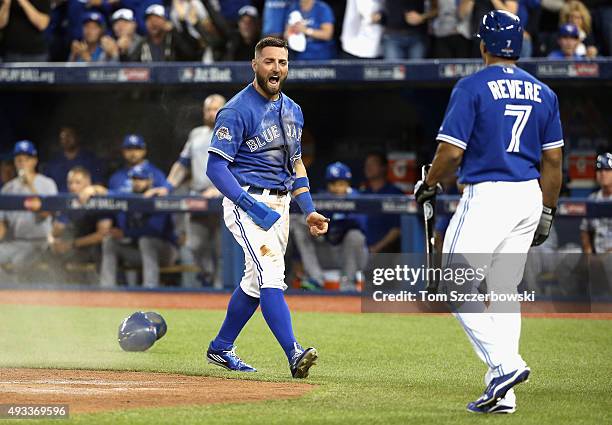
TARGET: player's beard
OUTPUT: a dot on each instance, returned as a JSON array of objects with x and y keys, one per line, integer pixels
[{"x": 262, "y": 82}]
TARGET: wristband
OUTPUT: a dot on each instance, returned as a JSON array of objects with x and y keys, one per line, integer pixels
[
  {"x": 299, "y": 183},
  {"x": 168, "y": 186},
  {"x": 245, "y": 201},
  {"x": 549, "y": 210},
  {"x": 304, "y": 200}
]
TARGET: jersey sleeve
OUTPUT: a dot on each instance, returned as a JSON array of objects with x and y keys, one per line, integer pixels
[
  {"x": 553, "y": 133},
  {"x": 458, "y": 121},
  {"x": 327, "y": 15},
  {"x": 228, "y": 134}
]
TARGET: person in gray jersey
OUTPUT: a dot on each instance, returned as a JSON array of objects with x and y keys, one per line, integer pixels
[
  {"x": 23, "y": 234},
  {"x": 203, "y": 238}
]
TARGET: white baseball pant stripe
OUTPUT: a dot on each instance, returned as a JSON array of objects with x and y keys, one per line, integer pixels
[
  {"x": 264, "y": 251},
  {"x": 497, "y": 221}
]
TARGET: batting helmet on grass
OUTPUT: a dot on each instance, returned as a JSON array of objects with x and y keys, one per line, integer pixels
[
  {"x": 502, "y": 33},
  {"x": 158, "y": 321},
  {"x": 137, "y": 333}
]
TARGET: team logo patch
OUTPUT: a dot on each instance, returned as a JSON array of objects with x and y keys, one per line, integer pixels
[{"x": 223, "y": 133}]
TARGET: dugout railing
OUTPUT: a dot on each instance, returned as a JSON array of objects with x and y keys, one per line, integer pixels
[{"x": 411, "y": 218}]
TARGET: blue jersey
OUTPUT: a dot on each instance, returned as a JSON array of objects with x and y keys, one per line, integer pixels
[
  {"x": 120, "y": 182},
  {"x": 274, "y": 17},
  {"x": 59, "y": 167},
  {"x": 319, "y": 14},
  {"x": 503, "y": 118},
  {"x": 380, "y": 224},
  {"x": 260, "y": 138},
  {"x": 136, "y": 225}
]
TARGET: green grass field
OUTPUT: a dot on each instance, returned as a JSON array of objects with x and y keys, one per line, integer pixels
[{"x": 386, "y": 369}]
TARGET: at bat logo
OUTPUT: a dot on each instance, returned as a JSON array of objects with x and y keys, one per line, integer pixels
[{"x": 223, "y": 133}]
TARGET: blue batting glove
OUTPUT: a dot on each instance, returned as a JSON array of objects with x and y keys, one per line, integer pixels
[{"x": 260, "y": 213}]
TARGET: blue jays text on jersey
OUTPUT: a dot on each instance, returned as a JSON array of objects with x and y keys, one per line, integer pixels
[
  {"x": 503, "y": 118},
  {"x": 260, "y": 138}
]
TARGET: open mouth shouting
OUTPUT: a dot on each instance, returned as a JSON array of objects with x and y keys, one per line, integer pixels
[{"x": 274, "y": 82}]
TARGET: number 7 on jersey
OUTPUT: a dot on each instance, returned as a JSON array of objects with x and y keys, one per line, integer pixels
[{"x": 521, "y": 112}]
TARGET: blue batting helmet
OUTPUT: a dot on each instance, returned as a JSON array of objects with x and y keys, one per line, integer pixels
[
  {"x": 137, "y": 333},
  {"x": 158, "y": 321},
  {"x": 502, "y": 33},
  {"x": 338, "y": 171},
  {"x": 604, "y": 161}
]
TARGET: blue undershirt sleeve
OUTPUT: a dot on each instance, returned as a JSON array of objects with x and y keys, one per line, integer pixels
[{"x": 219, "y": 174}]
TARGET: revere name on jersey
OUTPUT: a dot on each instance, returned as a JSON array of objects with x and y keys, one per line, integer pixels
[
  {"x": 503, "y": 118},
  {"x": 260, "y": 138}
]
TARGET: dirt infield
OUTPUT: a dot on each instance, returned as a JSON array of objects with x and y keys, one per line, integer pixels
[
  {"x": 208, "y": 301},
  {"x": 216, "y": 301},
  {"x": 93, "y": 391}
]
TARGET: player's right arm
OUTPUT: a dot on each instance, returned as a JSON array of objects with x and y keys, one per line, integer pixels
[
  {"x": 228, "y": 135},
  {"x": 453, "y": 137}
]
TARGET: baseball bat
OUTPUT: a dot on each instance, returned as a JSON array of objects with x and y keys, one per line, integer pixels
[{"x": 429, "y": 219}]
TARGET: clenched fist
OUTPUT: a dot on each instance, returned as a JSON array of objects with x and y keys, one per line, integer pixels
[{"x": 317, "y": 223}]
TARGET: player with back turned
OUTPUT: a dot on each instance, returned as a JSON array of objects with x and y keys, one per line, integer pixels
[
  {"x": 502, "y": 130},
  {"x": 255, "y": 162}
]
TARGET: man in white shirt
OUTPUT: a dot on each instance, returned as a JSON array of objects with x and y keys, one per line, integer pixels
[{"x": 203, "y": 236}]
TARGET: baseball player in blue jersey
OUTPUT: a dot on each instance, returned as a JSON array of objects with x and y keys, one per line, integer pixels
[
  {"x": 255, "y": 162},
  {"x": 502, "y": 130}
]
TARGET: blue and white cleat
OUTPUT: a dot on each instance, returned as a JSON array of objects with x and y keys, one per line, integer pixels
[
  {"x": 499, "y": 386},
  {"x": 228, "y": 359},
  {"x": 302, "y": 360},
  {"x": 498, "y": 408}
]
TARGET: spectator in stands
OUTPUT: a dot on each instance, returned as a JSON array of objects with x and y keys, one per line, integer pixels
[
  {"x": 22, "y": 26},
  {"x": 383, "y": 231},
  {"x": 230, "y": 10},
  {"x": 568, "y": 40},
  {"x": 23, "y": 234},
  {"x": 274, "y": 18},
  {"x": 312, "y": 21},
  {"x": 134, "y": 153},
  {"x": 528, "y": 12},
  {"x": 144, "y": 239},
  {"x": 575, "y": 12},
  {"x": 602, "y": 11},
  {"x": 77, "y": 235},
  {"x": 203, "y": 235},
  {"x": 406, "y": 29},
  {"x": 362, "y": 29},
  {"x": 72, "y": 155},
  {"x": 241, "y": 46},
  {"x": 165, "y": 43},
  {"x": 451, "y": 33},
  {"x": 596, "y": 233},
  {"x": 7, "y": 171},
  {"x": 343, "y": 246},
  {"x": 95, "y": 46},
  {"x": 476, "y": 9},
  {"x": 124, "y": 29}
]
